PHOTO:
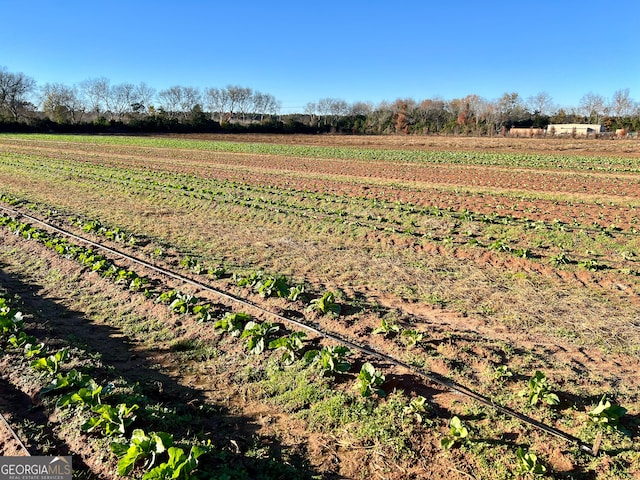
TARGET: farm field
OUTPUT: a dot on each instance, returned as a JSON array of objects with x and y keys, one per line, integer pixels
[{"x": 483, "y": 261}]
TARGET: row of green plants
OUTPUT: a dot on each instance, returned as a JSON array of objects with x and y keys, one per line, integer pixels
[
  {"x": 85, "y": 256},
  {"x": 333, "y": 361},
  {"x": 154, "y": 453},
  {"x": 181, "y": 303},
  {"x": 459, "y": 227},
  {"x": 538, "y": 390},
  {"x": 532, "y": 160},
  {"x": 192, "y": 184},
  {"x": 142, "y": 448},
  {"x": 178, "y": 302},
  {"x": 112, "y": 233},
  {"x": 261, "y": 337},
  {"x": 73, "y": 389},
  {"x": 266, "y": 285}
]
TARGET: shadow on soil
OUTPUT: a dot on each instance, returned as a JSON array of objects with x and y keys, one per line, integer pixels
[{"x": 238, "y": 453}]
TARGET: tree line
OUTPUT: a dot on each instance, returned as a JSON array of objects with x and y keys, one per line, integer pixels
[{"x": 97, "y": 105}]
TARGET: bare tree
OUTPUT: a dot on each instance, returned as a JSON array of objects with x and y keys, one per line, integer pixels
[
  {"x": 432, "y": 114},
  {"x": 217, "y": 101},
  {"x": 332, "y": 108},
  {"x": 97, "y": 92},
  {"x": 14, "y": 89},
  {"x": 264, "y": 104},
  {"x": 171, "y": 100},
  {"x": 122, "y": 98},
  {"x": 178, "y": 99},
  {"x": 621, "y": 104},
  {"x": 360, "y": 109},
  {"x": 593, "y": 107},
  {"x": 144, "y": 95},
  {"x": 191, "y": 97},
  {"x": 239, "y": 99},
  {"x": 272, "y": 105},
  {"x": 541, "y": 103},
  {"x": 311, "y": 109},
  {"x": 62, "y": 103}
]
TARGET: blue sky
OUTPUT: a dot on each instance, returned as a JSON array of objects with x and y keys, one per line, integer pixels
[{"x": 353, "y": 50}]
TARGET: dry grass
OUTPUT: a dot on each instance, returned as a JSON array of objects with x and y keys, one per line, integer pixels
[{"x": 477, "y": 307}]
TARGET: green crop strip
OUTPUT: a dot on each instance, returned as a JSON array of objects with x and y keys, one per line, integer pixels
[
  {"x": 116, "y": 419},
  {"x": 516, "y": 236},
  {"x": 604, "y": 164}
]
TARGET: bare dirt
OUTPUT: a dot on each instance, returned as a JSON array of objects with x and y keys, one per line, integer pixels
[{"x": 69, "y": 313}]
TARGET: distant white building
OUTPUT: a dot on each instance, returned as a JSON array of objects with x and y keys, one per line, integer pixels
[{"x": 575, "y": 129}]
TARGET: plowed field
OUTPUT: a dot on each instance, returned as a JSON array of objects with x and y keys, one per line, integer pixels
[{"x": 482, "y": 260}]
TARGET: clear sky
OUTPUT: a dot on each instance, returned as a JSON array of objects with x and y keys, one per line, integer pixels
[{"x": 354, "y": 50}]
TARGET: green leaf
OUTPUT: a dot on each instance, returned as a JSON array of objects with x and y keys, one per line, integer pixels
[{"x": 447, "y": 443}]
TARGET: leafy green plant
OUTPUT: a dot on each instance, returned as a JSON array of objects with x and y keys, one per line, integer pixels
[
  {"x": 271, "y": 286},
  {"x": 51, "y": 363},
  {"x": 88, "y": 395},
  {"x": 177, "y": 301},
  {"x": 232, "y": 323},
  {"x": 140, "y": 447},
  {"x": 122, "y": 275},
  {"x": 606, "y": 415},
  {"x": 258, "y": 335},
  {"x": 369, "y": 380},
  {"x": 330, "y": 360},
  {"x": 114, "y": 420},
  {"x": 203, "y": 312},
  {"x": 73, "y": 378},
  {"x": 138, "y": 283},
  {"x": 590, "y": 264},
  {"x": 411, "y": 337},
  {"x": 290, "y": 344},
  {"x": 501, "y": 373},
  {"x": 192, "y": 264},
  {"x": 458, "y": 433},
  {"x": 387, "y": 328},
  {"x": 522, "y": 252},
  {"x": 528, "y": 464},
  {"x": 21, "y": 339},
  {"x": 11, "y": 321},
  {"x": 167, "y": 297},
  {"x": 179, "y": 466},
  {"x": 182, "y": 303},
  {"x": 559, "y": 260},
  {"x": 417, "y": 407},
  {"x": 538, "y": 389},
  {"x": 217, "y": 272},
  {"x": 32, "y": 350},
  {"x": 325, "y": 304},
  {"x": 250, "y": 280},
  {"x": 295, "y": 292},
  {"x": 501, "y": 245}
]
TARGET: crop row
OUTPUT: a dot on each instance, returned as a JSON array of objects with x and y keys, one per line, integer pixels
[
  {"x": 457, "y": 226},
  {"x": 74, "y": 393},
  {"x": 260, "y": 336},
  {"x": 533, "y": 160},
  {"x": 196, "y": 182},
  {"x": 134, "y": 447},
  {"x": 556, "y": 244},
  {"x": 604, "y": 247}
]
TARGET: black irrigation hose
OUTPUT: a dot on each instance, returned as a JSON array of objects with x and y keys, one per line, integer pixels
[{"x": 369, "y": 351}]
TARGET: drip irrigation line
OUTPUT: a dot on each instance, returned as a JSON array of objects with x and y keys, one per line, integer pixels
[
  {"x": 14, "y": 435},
  {"x": 366, "y": 350}
]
